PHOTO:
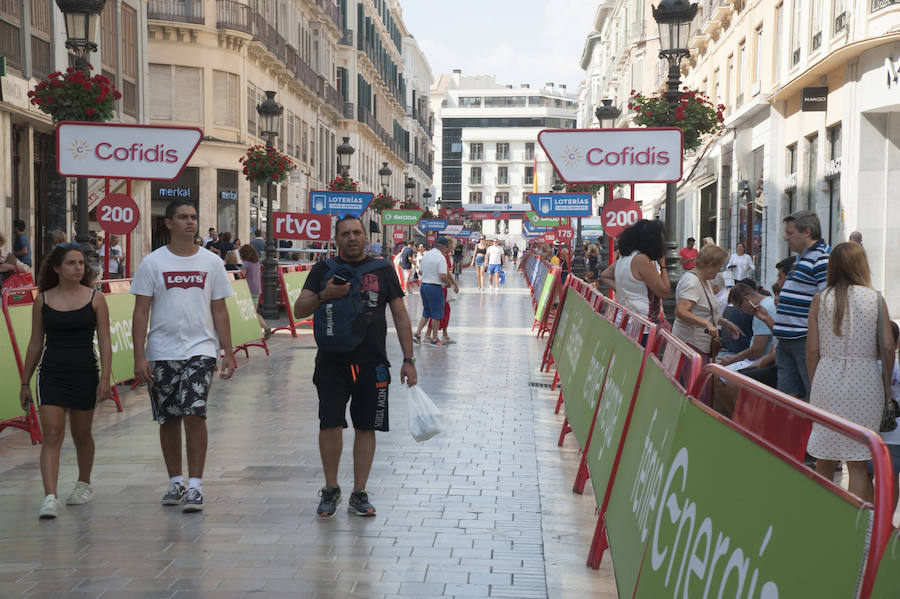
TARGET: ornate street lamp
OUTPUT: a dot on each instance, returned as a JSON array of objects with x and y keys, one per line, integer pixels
[
  {"x": 270, "y": 122},
  {"x": 674, "y": 18},
  {"x": 410, "y": 187},
  {"x": 384, "y": 175},
  {"x": 427, "y": 197},
  {"x": 344, "y": 151},
  {"x": 82, "y": 19},
  {"x": 606, "y": 115}
]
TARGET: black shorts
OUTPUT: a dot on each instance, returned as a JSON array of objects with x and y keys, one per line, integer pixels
[
  {"x": 180, "y": 387},
  {"x": 367, "y": 384}
]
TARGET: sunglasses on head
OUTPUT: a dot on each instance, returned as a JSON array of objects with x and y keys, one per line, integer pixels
[{"x": 68, "y": 245}]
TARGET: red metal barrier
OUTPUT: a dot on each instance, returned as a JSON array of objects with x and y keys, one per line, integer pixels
[
  {"x": 680, "y": 363},
  {"x": 885, "y": 501},
  {"x": 29, "y": 422},
  {"x": 288, "y": 308}
]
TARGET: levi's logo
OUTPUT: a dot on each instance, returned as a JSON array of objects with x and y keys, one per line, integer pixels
[{"x": 185, "y": 279}]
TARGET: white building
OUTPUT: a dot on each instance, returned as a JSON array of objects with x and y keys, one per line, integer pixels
[
  {"x": 486, "y": 148},
  {"x": 419, "y": 118}
]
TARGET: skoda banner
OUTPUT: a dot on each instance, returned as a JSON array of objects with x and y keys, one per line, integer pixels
[{"x": 401, "y": 218}]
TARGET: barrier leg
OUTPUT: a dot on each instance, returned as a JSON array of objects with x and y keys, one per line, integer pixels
[
  {"x": 565, "y": 430},
  {"x": 115, "y": 398},
  {"x": 37, "y": 436},
  {"x": 553, "y": 386},
  {"x": 559, "y": 402},
  {"x": 599, "y": 544},
  {"x": 582, "y": 476}
]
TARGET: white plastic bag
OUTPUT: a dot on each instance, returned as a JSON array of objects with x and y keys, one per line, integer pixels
[
  {"x": 451, "y": 295},
  {"x": 424, "y": 417}
]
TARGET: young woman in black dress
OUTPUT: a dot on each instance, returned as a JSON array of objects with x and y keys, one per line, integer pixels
[{"x": 67, "y": 311}]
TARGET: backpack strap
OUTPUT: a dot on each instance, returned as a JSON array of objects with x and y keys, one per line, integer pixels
[{"x": 372, "y": 266}]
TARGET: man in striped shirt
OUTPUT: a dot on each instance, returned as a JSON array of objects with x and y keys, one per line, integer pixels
[{"x": 803, "y": 233}]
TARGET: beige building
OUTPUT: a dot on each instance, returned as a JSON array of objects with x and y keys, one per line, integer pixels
[
  {"x": 810, "y": 89},
  {"x": 32, "y": 40}
]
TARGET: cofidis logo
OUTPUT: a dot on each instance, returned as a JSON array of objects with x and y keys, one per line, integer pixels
[
  {"x": 628, "y": 155},
  {"x": 136, "y": 152}
]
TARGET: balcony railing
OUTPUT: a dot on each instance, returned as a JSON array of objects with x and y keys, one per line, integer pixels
[
  {"x": 233, "y": 15},
  {"x": 840, "y": 22},
  {"x": 331, "y": 96},
  {"x": 333, "y": 12},
  {"x": 346, "y": 38},
  {"x": 183, "y": 11},
  {"x": 879, "y": 4},
  {"x": 348, "y": 110},
  {"x": 816, "y": 41}
]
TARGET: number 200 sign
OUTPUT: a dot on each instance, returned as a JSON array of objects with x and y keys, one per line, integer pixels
[
  {"x": 618, "y": 215},
  {"x": 117, "y": 214}
]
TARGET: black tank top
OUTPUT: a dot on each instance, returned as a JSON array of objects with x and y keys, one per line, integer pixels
[
  {"x": 480, "y": 251},
  {"x": 70, "y": 337}
]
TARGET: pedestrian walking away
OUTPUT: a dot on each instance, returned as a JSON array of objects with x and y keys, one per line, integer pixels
[
  {"x": 349, "y": 295},
  {"x": 435, "y": 277},
  {"x": 495, "y": 260},
  {"x": 186, "y": 287},
  {"x": 406, "y": 264},
  {"x": 67, "y": 312}
]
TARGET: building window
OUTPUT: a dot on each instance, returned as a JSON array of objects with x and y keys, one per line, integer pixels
[
  {"x": 129, "y": 61},
  {"x": 717, "y": 89},
  {"x": 815, "y": 25},
  {"x": 529, "y": 175},
  {"x": 475, "y": 175},
  {"x": 501, "y": 197},
  {"x": 476, "y": 151},
  {"x": 289, "y": 126},
  {"x": 797, "y": 22},
  {"x": 812, "y": 173},
  {"x": 833, "y": 173},
  {"x": 741, "y": 73},
  {"x": 227, "y": 200},
  {"x": 108, "y": 28},
  {"x": 10, "y": 33},
  {"x": 503, "y": 175},
  {"x": 469, "y": 102},
  {"x": 41, "y": 58},
  {"x": 226, "y": 99},
  {"x": 304, "y": 142},
  {"x": 502, "y": 151},
  {"x": 173, "y": 93},
  {"x": 757, "y": 62},
  {"x": 840, "y": 16},
  {"x": 251, "y": 110},
  {"x": 729, "y": 79},
  {"x": 529, "y": 149},
  {"x": 779, "y": 32},
  {"x": 474, "y": 197}
]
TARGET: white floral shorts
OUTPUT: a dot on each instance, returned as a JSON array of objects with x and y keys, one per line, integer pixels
[{"x": 179, "y": 387}]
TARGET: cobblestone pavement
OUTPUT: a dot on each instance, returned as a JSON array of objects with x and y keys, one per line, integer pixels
[{"x": 483, "y": 510}]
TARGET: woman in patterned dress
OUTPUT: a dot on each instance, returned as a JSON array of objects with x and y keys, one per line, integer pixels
[{"x": 842, "y": 358}]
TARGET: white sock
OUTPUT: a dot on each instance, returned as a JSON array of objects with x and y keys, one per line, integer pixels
[
  {"x": 176, "y": 479},
  {"x": 195, "y": 483}
]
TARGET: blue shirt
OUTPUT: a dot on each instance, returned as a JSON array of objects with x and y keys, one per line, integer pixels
[
  {"x": 22, "y": 242},
  {"x": 807, "y": 278}
]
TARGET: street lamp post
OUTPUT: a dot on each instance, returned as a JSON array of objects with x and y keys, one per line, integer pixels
[
  {"x": 270, "y": 118},
  {"x": 606, "y": 115},
  {"x": 410, "y": 187},
  {"x": 82, "y": 18},
  {"x": 674, "y": 18},
  {"x": 384, "y": 175},
  {"x": 344, "y": 151}
]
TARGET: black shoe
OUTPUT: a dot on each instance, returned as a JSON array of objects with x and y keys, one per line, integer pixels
[
  {"x": 193, "y": 501},
  {"x": 175, "y": 494},
  {"x": 331, "y": 498},
  {"x": 359, "y": 503}
]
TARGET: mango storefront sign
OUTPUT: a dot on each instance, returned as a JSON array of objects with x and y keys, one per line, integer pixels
[
  {"x": 121, "y": 151},
  {"x": 639, "y": 155},
  {"x": 403, "y": 218}
]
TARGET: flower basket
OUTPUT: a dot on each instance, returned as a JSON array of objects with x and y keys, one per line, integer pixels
[
  {"x": 692, "y": 112},
  {"x": 266, "y": 164},
  {"x": 340, "y": 183},
  {"x": 407, "y": 205},
  {"x": 591, "y": 188},
  {"x": 383, "y": 201},
  {"x": 76, "y": 96},
  {"x": 428, "y": 214}
]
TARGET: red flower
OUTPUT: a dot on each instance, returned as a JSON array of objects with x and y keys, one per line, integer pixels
[
  {"x": 89, "y": 112},
  {"x": 679, "y": 113}
]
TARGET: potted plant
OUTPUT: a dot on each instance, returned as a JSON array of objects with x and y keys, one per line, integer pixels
[
  {"x": 266, "y": 164},
  {"x": 76, "y": 96},
  {"x": 341, "y": 183},
  {"x": 409, "y": 205},
  {"x": 691, "y": 111},
  {"x": 383, "y": 201}
]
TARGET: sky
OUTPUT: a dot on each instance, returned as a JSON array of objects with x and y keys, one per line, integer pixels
[{"x": 519, "y": 41}]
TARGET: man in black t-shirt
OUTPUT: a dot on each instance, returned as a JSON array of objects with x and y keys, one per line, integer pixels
[{"x": 361, "y": 373}]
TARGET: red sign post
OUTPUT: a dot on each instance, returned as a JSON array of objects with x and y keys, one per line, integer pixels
[
  {"x": 618, "y": 215},
  {"x": 565, "y": 234},
  {"x": 117, "y": 214}
]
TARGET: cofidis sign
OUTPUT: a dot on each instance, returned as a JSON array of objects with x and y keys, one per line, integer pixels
[
  {"x": 651, "y": 155},
  {"x": 124, "y": 151}
]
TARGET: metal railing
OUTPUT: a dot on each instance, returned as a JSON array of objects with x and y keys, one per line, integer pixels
[
  {"x": 840, "y": 21},
  {"x": 346, "y": 38},
  {"x": 879, "y": 4},
  {"x": 233, "y": 15},
  {"x": 331, "y": 96},
  {"x": 183, "y": 11},
  {"x": 333, "y": 12},
  {"x": 348, "y": 110}
]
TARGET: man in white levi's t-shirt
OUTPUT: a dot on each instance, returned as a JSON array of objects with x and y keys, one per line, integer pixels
[{"x": 186, "y": 286}]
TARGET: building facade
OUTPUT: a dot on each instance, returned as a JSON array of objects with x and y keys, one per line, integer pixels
[
  {"x": 32, "y": 40},
  {"x": 486, "y": 148},
  {"x": 419, "y": 120}
]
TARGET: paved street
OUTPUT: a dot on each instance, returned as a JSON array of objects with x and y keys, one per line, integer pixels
[{"x": 483, "y": 510}]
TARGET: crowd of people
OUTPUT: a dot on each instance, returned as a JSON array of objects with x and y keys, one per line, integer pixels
[{"x": 821, "y": 334}]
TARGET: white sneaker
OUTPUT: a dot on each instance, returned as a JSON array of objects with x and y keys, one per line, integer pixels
[
  {"x": 81, "y": 494},
  {"x": 49, "y": 507}
]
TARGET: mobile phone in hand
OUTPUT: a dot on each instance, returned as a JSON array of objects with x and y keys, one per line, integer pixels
[{"x": 340, "y": 280}]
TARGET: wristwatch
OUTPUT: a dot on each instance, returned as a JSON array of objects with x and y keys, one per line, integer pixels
[{"x": 409, "y": 361}]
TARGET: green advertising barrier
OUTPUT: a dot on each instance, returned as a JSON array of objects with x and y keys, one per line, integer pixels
[
  {"x": 242, "y": 315},
  {"x": 582, "y": 357},
  {"x": 9, "y": 373},
  {"x": 541, "y": 221},
  {"x": 731, "y": 519},
  {"x": 293, "y": 284},
  {"x": 546, "y": 289},
  {"x": 887, "y": 580},
  {"x": 635, "y": 492},
  {"x": 121, "y": 310},
  {"x": 401, "y": 218}
]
